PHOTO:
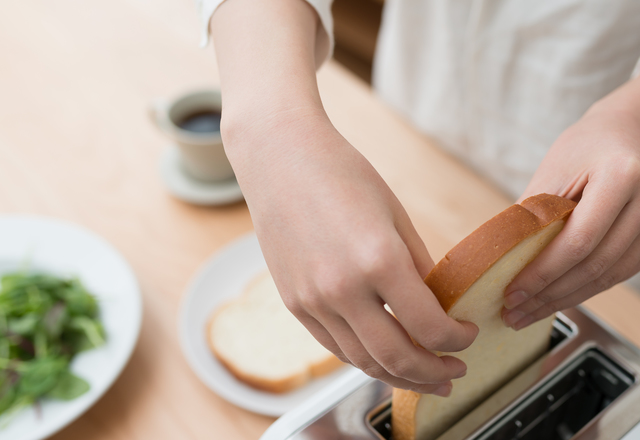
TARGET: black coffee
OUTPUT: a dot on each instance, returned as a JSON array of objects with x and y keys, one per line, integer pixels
[{"x": 204, "y": 121}]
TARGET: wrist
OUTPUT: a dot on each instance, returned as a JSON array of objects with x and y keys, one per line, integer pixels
[
  {"x": 256, "y": 138},
  {"x": 623, "y": 102},
  {"x": 252, "y": 119}
]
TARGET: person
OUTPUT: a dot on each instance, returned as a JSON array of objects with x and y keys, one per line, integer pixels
[{"x": 536, "y": 96}]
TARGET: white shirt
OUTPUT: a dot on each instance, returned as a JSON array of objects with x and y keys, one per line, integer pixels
[{"x": 495, "y": 82}]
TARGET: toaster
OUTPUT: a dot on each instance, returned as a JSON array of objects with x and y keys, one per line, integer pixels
[{"x": 586, "y": 386}]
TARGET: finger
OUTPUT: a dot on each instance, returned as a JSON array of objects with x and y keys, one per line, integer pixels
[
  {"x": 422, "y": 261},
  {"x": 296, "y": 306},
  {"x": 591, "y": 219},
  {"x": 391, "y": 347},
  {"x": 321, "y": 334},
  {"x": 415, "y": 305},
  {"x": 351, "y": 345},
  {"x": 615, "y": 243},
  {"x": 551, "y": 178},
  {"x": 419, "y": 311},
  {"x": 627, "y": 266},
  {"x": 331, "y": 328},
  {"x": 553, "y": 182}
]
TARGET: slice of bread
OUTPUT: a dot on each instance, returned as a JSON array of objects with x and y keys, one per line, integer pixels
[
  {"x": 262, "y": 344},
  {"x": 470, "y": 283}
]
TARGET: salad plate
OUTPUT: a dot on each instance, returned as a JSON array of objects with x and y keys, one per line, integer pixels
[{"x": 67, "y": 250}]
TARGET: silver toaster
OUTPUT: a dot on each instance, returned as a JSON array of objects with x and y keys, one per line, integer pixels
[{"x": 585, "y": 387}]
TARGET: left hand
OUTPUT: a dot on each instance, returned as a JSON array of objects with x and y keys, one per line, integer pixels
[{"x": 597, "y": 163}]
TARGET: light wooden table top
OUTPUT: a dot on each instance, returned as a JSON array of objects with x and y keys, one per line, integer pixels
[{"x": 76, "y": 79}]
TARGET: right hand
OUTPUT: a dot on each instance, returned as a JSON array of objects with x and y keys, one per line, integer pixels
[{"x": 339, "y": 246}]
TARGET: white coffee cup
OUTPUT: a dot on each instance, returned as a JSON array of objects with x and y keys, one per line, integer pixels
[{"x": 201, "y": 154}]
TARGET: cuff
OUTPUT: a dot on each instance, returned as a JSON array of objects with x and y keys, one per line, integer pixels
[{"x": 324, "y": 38}]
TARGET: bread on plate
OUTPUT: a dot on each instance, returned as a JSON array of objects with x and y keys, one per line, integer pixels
[{"x": 262, "y": 344}]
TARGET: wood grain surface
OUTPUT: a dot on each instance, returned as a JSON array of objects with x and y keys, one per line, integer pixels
[{"x": 76, "y": 80}]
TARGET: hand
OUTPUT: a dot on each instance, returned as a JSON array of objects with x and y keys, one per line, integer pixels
[
  {"x": 597, "y": 163},
  {"x": 339, "y": 246},
  {"x": 338, "y": 243}
]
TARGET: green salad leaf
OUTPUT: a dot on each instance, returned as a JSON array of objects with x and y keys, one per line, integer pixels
[{"x": 44, "y": 322}]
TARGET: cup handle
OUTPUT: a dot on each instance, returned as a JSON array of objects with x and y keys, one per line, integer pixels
[{"x": 158, "y": 113}]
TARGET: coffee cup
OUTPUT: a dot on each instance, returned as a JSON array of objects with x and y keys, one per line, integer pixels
[{"x": 192, "y": 122}]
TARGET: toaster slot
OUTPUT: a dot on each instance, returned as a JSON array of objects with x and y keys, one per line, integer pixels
[
  {"x": 379, "y": 419},
  {"x": 565, "y": 403}
]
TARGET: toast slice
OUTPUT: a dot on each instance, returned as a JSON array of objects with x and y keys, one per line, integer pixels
[
  {"x": 469, "y": 283},
  {"x": 262, "y": 344}
]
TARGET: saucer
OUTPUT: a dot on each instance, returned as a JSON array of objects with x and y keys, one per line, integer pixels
[{"x": 192, "y": 190}]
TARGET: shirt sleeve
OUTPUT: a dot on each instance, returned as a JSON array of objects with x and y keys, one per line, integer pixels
[{"x": 324, "y": 38}]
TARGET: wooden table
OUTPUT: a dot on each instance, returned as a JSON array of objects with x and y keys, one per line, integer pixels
[{"x": 76, "y": 79}]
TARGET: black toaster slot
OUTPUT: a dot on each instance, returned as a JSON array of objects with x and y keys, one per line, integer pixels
[
  {"x": 380, "y": 420},
  {"x": 566, "y": 403}
]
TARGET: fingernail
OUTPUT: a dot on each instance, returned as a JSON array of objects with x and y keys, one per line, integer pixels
[
  {"x": 510, "y": 318},
  {"x": 514, "y": 299},
  {"x": 523, "y": 322},
  {"x": 463, "y": 373},
  {"x": 443, "y": 391}
]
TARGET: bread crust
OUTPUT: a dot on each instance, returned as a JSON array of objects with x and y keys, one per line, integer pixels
[
  {"x": 404, "y": 401},
  {"x": 450, "y": 279},
  {"x": 475, "y": 254}
]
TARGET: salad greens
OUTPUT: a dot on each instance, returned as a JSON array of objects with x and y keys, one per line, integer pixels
[{"x": 44, "y": 322}]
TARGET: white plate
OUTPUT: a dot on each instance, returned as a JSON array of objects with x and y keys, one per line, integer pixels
[
  {"x": 66, "y": 249},
  {"x": 221, "y": 278},
  {"x": 192, "y": 190}
]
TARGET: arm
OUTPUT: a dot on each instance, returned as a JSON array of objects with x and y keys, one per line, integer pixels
[
  {"x": 596, "y": 162},
  {"x": 337, "y": 242}
]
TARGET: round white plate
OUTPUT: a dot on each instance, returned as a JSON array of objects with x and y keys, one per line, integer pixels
[
  {"x": 221, "y": 278},
  {"x": 66, "y": 249},
  {"x": 195, "y": 191}
]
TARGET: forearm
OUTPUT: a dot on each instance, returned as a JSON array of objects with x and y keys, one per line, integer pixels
[{"x": 265, "y": 53}]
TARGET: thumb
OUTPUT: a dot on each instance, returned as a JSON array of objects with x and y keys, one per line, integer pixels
[{"x": 416, "y": 247}]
